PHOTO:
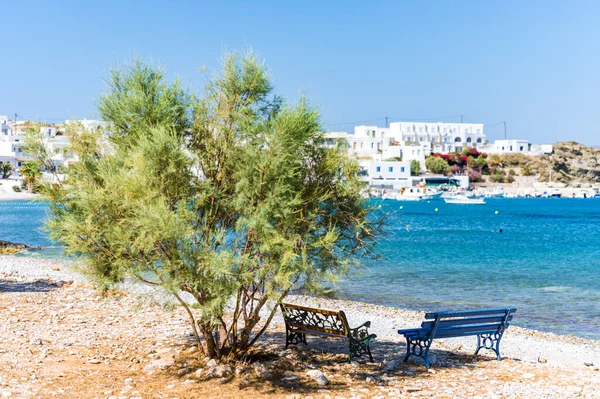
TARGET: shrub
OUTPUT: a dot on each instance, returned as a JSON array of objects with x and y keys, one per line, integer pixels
[
  {"x": 512, "y": 172},
  {"x": 436, "y": 164},
  {"x": 475, "y": 177},
  {"x": 415, "y": 168},
  {"x": 527, "y": 170},
  {"x": 16, "y": 189}
]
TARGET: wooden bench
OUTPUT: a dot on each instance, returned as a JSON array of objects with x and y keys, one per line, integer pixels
[
  {"x": 300, "y": 321},
  {"x": 487, "y": 324}
]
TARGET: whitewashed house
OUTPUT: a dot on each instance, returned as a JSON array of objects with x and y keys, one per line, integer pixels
[
  {"x": 517, "y": 147},
  {"x": 389, "y": 174}
]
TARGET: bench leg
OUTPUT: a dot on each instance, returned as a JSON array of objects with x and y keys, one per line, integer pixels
[
  {"x": 489, "y": 341},
  {"x": 418, "y": 348},
  {"x": 359, "y": 348},
  {"x": 293, "y": 337},
  {"x": 407, "y": 350}
]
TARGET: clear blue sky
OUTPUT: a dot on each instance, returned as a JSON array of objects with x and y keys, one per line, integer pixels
[{"x": 535, "y": 64}]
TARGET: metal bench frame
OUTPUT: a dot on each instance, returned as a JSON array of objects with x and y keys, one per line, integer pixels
[
  {"x": 300, "y": 321},
  {"x": 487, "y": 324}
]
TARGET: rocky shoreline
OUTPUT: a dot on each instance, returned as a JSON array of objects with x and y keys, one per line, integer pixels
[{"x": 60, "y": 338}]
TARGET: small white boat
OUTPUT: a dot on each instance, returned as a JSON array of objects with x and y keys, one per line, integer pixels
[
  {"x": 464, "y": 200},
  {"x": 556, "y": 193},
  {"x": 411, "y": 194},
  {"x": 497, "y": 192}
]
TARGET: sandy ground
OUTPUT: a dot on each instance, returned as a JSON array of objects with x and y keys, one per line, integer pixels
[
  {"x": 7, "y": 193},
  {"x": 59, "y": 338}
]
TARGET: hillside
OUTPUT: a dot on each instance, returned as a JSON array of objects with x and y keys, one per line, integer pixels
[{"x": 572, "y": 162}]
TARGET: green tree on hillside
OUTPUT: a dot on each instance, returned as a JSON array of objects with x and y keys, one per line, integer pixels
[
  {"x": 437, "y": 165},
  {"x": 415, "y": 168},
  {"x": 224, "y": 199}
]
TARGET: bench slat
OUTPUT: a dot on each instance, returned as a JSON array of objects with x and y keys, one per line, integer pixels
[
  {"x": 309, "y": 329},
  {"x": 321, "y": 334},
  {"x": 469, "y": 329},
  {"x": 311, "y": 310},
  {"x": 455, "y": 334},
  {"x": 465, "y": 321},
  {"x": 466, "y": 313}
]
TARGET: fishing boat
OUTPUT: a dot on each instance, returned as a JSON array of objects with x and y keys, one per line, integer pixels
[
  {"x": 556, "y": 193},
  {"x": 461, "y": 199}
]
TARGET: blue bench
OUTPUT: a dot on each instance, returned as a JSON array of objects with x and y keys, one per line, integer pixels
[{"x": 487, "y": 324}]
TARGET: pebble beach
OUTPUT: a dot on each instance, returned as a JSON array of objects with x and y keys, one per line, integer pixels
[{"x": 61, "y": 338}]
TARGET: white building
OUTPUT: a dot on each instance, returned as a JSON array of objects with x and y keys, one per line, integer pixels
[
  {"x": 390, "y": 174},
  {"x": 517, "y": 147},
  {"x": 10, "y": 151},
  {"x": 439, "y": 137}
]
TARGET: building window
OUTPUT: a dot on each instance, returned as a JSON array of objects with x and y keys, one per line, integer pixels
[
  {"x": 502, "y": 148},
  {"x": 379, "y": 169},
  {"x": 372, "y": 145},
  {"x": 511, "y": 147},
  {"x": 420, "y": 138},
  {"x": 391, "y": 169},
  {"x": 521, "y": 148},
  {"x": 402, "y": 169}
]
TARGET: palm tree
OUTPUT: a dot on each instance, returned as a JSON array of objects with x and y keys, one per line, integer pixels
[
  {"x": 6, "y": 169},
  {"x": 527, "y": 170},
  {"x": 30, "y": 172}
]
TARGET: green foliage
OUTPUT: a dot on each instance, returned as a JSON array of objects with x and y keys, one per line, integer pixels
[
  {"x": 437, "y": 165},
  {"x": 415, "y": 168},
  {"x": 512, "y": 172},
  {"x": 395, "y": 159},
  {"x": 6, "y": 169},
  {"x": 494, "y": 160},
  {"x": 31, "y": 174},
  {"x": 16, "y": 189},
  {"x": 527, "y": 170},
  {"x": 227, "y": 196}
]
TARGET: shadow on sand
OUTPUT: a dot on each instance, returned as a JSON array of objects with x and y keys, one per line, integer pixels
[
  {"x": 288, "y": 367},
  {"x": 9, "y": 286}
]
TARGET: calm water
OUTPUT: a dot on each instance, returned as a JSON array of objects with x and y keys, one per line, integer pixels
[{"x": 546, "y": 262}]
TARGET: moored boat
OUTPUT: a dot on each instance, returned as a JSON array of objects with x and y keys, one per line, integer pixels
[{"x": 461, "y": 199}]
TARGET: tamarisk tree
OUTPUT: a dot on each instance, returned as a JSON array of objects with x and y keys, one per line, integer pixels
[{"x": 226, "y": 199}]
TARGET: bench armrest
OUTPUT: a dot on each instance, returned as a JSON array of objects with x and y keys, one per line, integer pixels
[
  {"x": 361, "y": 331},
  {"x": 411, "y": 331}
]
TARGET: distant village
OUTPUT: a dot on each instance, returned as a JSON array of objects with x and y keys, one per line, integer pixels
[{"x": 385, "y": 154}]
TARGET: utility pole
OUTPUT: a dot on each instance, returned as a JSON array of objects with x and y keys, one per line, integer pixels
[
  {"x": 461, "y": 119},
  {"x": 386, "y": 121},
  {"x": 504, "y": 130}
]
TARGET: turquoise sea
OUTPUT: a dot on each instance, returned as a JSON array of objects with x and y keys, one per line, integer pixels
[{"x": 546, "y": 260}]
